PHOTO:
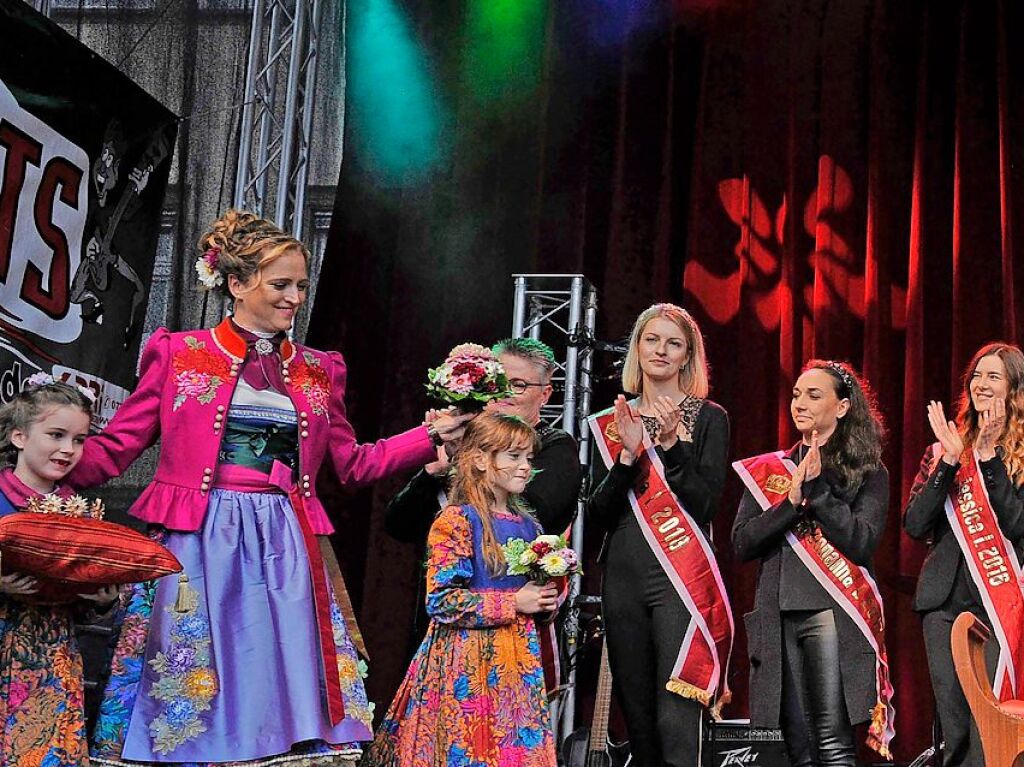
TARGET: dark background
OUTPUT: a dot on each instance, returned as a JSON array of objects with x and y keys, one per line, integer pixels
[{"x": 835, "y": 179}]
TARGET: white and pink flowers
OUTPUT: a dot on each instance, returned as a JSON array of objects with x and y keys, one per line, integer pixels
[
  {"x": 470, "y": 377},
  {"x": 206, "y": 268},
  {"x": 544, "y": 558}
]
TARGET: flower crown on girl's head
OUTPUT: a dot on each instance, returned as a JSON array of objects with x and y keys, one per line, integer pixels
[
  {"x": 45, "y": 379},
  {"x": 206, "y": 268}
]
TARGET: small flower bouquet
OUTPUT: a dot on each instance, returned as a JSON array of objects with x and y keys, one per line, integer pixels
[
  {"x": 72, "y": 506},
  {"x": 469, "y": 378},
  {"x": 540, "y": 560}
]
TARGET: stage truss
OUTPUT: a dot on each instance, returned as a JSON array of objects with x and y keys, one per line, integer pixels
[
  {"x": 561, "y": 311},
  {"x": 273, "y": 151}
]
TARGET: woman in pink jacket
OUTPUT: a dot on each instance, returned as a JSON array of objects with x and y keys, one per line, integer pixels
[{"x": 251, "y": 655}]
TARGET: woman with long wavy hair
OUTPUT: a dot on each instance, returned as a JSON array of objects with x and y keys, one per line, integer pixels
[
  {"x": 981, "y": 453},
  {"x": 813, "y": 515}
]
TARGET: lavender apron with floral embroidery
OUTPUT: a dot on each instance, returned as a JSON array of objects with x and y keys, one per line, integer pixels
[{"x": 237, "y": 679}]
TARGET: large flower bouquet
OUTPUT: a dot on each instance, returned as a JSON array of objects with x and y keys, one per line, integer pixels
[
  {"x": 543, "y": 558},
  {"x": 469, "y": 378}
]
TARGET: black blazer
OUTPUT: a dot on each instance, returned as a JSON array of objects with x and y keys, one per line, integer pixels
[
  {"x": 695, "y": 471},
  {"x": 924, "y": 518},
  {"x": 853, "y": 521}
]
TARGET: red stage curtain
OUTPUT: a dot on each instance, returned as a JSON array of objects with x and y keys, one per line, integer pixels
[
  {"x": 855, "y": 197},
  {"x": 836, "y": 179}
]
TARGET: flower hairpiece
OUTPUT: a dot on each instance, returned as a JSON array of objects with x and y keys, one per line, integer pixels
[
  {"x": 45, "y": 379},
  {"x": 839, "y": 369},
  {"x": 206, "y": 268},
  {"x": 73, "y": 506}
]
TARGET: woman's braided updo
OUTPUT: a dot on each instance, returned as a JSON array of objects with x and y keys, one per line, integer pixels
[{"x": 246, "y": 243}]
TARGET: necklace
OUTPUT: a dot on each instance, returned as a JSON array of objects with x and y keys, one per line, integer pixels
[{"x": 689, "y": 407}]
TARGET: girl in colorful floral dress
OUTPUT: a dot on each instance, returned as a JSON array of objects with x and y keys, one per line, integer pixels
[
  {"x": 42, "y": 716},
  {"x": 474, "y": 693}
]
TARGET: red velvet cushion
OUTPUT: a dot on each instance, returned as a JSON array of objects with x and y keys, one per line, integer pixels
[{"x": 77, "y": 555}]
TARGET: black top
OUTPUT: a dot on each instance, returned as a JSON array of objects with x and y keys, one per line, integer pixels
[
  {"x": 551, "y": 493},
  {"x": 924, "y": 518},
  {"x": 695, "y": 471},
  {"x": 852, "y": 520}
]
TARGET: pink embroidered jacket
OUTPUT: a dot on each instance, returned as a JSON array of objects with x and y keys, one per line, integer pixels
[{"x": 185, "y": 388}]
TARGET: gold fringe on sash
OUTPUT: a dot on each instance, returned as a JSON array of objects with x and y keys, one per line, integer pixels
[
  {"x": 878, "y": 715},
  {"x": 687, "y": 690}
]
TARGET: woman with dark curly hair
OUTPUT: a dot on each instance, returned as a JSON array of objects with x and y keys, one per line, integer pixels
[
  {"x": 968, "y": 503},
  {"x": 813, "y": 516}
]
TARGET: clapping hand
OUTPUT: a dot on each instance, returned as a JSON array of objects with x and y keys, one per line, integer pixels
[
  {"x": 630, "y": 428},
  {"x": 991, "y": 423},
  {"x": 809, "y": 468},
  {"x": 669, "y": 418},
  {"x": 946, "y": 433}
]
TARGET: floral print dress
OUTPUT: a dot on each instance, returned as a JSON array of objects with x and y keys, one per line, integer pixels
[
  {"x": 474, "y": 693},
  {"x": 42, "y": 715}
]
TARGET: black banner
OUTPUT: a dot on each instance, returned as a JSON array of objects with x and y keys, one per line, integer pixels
[{"x": 84, "y": 159}]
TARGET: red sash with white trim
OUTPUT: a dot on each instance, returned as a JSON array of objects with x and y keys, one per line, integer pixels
[
  {"x": 768, "y": 477},
  {"x": 685, "y": 554},
  {"x": 994, "y": 568}
]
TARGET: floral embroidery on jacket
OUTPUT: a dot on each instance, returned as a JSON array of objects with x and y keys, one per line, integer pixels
[
  {"x": 309, "y": 376},
  {"x": 198, "y": 372},
  {"x": 186, "y": 683}
]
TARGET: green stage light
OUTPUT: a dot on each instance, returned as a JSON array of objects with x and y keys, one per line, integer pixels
[
  {"x": 504, "y": 48},
  {"x": 394, "y": 104}
]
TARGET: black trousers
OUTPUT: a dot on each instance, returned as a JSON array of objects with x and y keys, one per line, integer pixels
[
  {"x": 962, "y": 743},
  {"x": 645, "y": 623},
  {"x": 815, "y": 722}
]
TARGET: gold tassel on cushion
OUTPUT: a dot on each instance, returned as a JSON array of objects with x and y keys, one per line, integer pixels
[{"x": 187, "y": 599}]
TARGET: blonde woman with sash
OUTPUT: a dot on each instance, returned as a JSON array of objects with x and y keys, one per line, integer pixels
[
  {"x": 814, "y": 515},
  {"x": 669, "y": 625},
  {"x": 968, "y": 503}
]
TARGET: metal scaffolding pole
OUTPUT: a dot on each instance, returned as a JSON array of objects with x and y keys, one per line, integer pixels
[
  {"x": 273, "y": 152},
  {"x": 561, "y": 310}
]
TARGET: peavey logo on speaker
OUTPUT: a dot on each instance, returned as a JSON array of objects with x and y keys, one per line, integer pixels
[
  {"x": 737, "y": 744},
  {"x": 738, "y": 756}
]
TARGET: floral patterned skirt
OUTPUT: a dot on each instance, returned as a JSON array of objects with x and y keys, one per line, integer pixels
[
  {"x": 473, "y": 697},
  {"x": 237, "y": 678},
  {"x": 41, "y": 693}
]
